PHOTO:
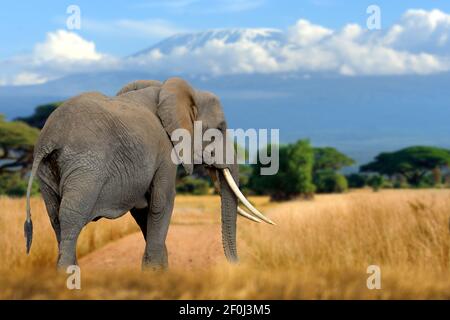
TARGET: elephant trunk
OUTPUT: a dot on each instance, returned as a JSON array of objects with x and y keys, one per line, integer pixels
[{"x": 229, "y": 203}]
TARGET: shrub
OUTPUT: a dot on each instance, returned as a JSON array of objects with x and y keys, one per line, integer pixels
[
  {"x": 356, "y": 180},
  {"x": 329, "y": 181},
  {"x": 427, "y": 181},
  {"x": 11, "y": 184},
  {"x": 376, "y": 182},
  {"x": 191, "y": 185},
  {"x": 398, "y": 184}
]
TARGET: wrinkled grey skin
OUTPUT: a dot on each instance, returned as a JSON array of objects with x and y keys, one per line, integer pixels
[{"x": 102, "y": 157}]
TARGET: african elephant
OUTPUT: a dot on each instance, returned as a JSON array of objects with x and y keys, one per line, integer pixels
[{"x": 100, "y": 156}]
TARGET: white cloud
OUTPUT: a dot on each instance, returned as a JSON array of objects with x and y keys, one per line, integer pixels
[
  {"x": 421, "y": 31},
  {"x": 65, "y": 46},
  {"x": 61, "y": 53},
  {"x": 28, "y": 78},
  {"x": 305, "y": 33},
  {"x": 418, "y": 44}
]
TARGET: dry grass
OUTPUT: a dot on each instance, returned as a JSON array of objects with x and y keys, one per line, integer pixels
[
  {"x": 319, "y": 250},
  {"x": 44, "y": 249},
  {"x": 189, "y": 210}
]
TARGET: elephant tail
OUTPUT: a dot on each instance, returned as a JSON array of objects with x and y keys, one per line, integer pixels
[{"x": 28, "y": 226}]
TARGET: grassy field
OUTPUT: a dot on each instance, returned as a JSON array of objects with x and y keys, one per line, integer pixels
[{"x": 319, "y": 250}]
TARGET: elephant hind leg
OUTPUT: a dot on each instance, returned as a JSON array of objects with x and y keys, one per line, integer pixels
[
  {"x": 77, "y": 205},
  {"x": 49, "y": 184},
  {"x": 140, "y": 216},
  {"x": 52, "y": 203}
]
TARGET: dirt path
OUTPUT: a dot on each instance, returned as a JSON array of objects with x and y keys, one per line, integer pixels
[{"x": 189, "y": 246}]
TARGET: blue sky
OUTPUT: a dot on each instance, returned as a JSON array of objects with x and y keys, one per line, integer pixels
[{"x": 26, "y": 22}]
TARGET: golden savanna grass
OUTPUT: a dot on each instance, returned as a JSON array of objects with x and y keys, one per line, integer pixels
[{"x": 320, "y": 249}]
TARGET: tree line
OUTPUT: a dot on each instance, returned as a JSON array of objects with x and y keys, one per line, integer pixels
[{"x": 304, "y": 170}]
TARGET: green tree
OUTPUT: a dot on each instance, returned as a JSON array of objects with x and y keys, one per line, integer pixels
[
  {"x": 327, "y": 161},
  {"x": 412, "y": 163},
  {"x": 328, "y": 158},
  {"x": 329, "y": 181},
  {"x": 40, "y": 115},
  {"x": 17, "y": 140},
  {"x": 294, "y": 177}
]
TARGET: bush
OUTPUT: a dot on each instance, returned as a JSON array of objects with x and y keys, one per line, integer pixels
[
  {"x": 356, "y": 180},
  {"x": 329, "y": 181},
  {"x": 398, "y": 184},
  {"x": 376, "y": 182},
  {"x": 388, "y": 184},
  {"x": 427, "y": 181},
  {"x": 191, "y": 185},
  {"x": 11, "y": 184}
]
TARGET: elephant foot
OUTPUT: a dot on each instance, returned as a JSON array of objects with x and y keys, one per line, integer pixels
[
  {"x": 155, "y": 262},
  {"x": 62, "y": 265},
  {"x": 67, "y": 255}
]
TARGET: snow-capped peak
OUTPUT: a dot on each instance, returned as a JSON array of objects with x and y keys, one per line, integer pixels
[{"x": 192, "y": 41}]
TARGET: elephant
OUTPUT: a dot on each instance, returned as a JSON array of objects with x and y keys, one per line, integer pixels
[{"x": 101, "y": 157}]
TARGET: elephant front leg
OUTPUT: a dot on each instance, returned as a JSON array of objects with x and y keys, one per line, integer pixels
[
  {"x": 155, "y": 256},
  {"x": 160, "y": 212}
]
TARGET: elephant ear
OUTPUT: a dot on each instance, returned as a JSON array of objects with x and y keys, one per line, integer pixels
[
  {"x": 139, "y": 84},
  {"x": 177, "y": 109}
]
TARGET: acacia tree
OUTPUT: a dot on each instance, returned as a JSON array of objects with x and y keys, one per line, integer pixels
[
  {"x": 412, "y": 163},
  {"x": 327, "y": 162},
  {"x": 329, "y": 158},
  {"x": 16, "y": 146}
]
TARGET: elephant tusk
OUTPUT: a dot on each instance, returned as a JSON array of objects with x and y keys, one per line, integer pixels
[
  {"x": 213, "y": 173},
  {"x": 245, "y": 202},
  {"x": 247, "y": 215}
]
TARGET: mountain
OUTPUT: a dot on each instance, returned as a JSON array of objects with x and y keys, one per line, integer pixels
[
  {"x": 359, "y": 115},
  {"x": 192, "y": 41}
]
